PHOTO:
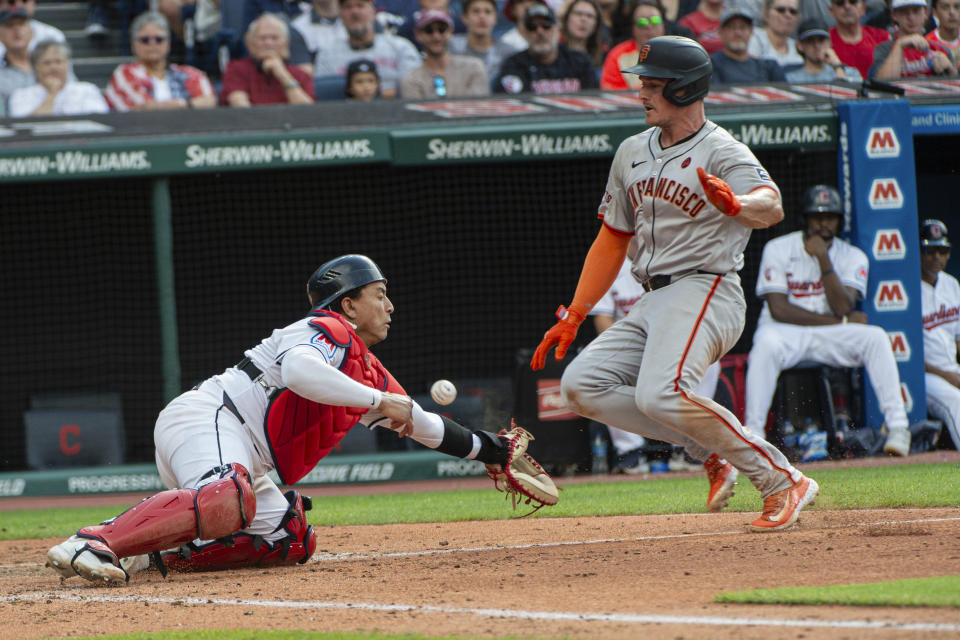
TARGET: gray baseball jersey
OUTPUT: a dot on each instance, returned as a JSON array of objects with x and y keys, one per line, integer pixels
[
  {"x": 642, "y": 374},
  {"x": 655, "y": 193}
]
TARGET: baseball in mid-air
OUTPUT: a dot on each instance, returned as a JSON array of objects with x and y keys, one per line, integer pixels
[{"x": 443, "y": 392}]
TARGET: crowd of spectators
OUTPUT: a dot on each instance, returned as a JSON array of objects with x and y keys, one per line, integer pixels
[{"x": 295, "y": 51}]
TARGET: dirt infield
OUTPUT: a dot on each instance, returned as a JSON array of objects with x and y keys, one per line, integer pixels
[{"x": 610, "y": 577}]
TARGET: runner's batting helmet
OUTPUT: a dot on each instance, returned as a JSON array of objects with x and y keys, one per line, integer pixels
[
  {"x": 933, "y": 233},
  {"x": 683, "y": 62},
  {"x": 822, "y": 199},
  {"x": 340, "y": 276}
]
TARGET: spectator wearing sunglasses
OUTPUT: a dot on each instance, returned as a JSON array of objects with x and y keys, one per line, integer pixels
[
  {"x": 853, "y": 41},
  {"x": 774, "y": 40},
  {"x": 648, "y": 22},
  {"x": 734, "y": 64},
  {"x": 442, "y": 74},
  {"x": 546, "y": 66},
  {"x": 911, "y": 55},
  {"x": 152, "y": 83}
]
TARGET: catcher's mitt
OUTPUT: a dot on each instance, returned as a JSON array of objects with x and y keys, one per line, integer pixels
[{"x": 522, "y": 477}]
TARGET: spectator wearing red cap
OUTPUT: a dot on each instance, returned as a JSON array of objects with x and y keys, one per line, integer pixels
[
  {"x": 910, "y": 55},
  {"x": 514, "y": 10},
  {"x": 546, "y": 66},
  {"x": 442, "y": 75}
]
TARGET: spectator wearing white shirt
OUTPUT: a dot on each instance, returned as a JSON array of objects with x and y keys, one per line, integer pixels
[
  {"x": 55, "y": 94},
  {"x": 774, "y": 40},
  {"x": 394, "y": 56}
]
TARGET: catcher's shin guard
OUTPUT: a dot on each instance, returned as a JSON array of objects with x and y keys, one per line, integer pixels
[
  {"x": 244, "y": 550},
  {"x": 173, "y": 517}
]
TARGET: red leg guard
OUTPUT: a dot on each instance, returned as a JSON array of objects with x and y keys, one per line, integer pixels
[
  {"x": 171, "y": 518},
  {"x": 242, "y": 550}
]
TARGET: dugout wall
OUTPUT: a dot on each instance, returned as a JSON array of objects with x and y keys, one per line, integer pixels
[{"x": 478, "y": 250}]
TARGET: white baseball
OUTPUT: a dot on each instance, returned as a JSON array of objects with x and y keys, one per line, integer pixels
[{"x": 443, "y": 392}]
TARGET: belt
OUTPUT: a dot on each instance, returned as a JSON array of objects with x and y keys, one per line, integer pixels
[
  {"x": 246, "y": 365},
  {"x": 659, "y": 282}
]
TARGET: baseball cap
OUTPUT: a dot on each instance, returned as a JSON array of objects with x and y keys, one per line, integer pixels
[
  {"x": 539, "y": 11},
  {"x": 900, "y": 4},
  {"x": 737, "y": 12},
  {"x": 509, "y": 9},
  {"x": 10, "y": 14},
  {"x": 361, "y": 66},
  {"x": 811, "y": 28},
  {"x": 433, "y": 15}
]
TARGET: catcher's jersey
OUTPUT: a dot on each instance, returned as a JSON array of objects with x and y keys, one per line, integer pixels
[
  {"x": 268, "y": 356},
  {"x": 655, "y": 193},
  {"x": 624, "y": 293},
  {"x": 941, "y": 322},
  {"x": 787, "y": 268}
]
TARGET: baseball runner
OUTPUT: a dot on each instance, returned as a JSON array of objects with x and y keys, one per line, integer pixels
[
  {"x": 810, "y": 281},
  {"x": 691, "y": 193},
  {"x": 614, "y": 305},
  {"x": 941, "y": 327},
  {"x": 288, "y": 402}
]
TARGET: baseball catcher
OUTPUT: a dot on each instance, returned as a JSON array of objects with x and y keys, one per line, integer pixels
[{"x": 283, "y": 407}]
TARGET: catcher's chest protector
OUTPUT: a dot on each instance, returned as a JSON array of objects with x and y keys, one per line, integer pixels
[{"x": 302, "y": 432}]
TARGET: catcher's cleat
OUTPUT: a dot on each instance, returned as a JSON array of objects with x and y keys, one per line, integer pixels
[
  {"x": 781, "y": 509},
  {"x": 87, "y": 558},
  {"x": 723, "y": 478},
  {"x": 521, "y": 476}
]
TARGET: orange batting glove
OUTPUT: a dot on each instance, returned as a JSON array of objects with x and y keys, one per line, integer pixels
[
  {"x": 560, "y": 334},
  {"x": 719, "y": 193}
]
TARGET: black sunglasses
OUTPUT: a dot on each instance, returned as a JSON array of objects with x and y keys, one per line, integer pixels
[
  {"x": 937, "y": 250},
  {"x": 789, "y": 10},
  {"x": 431, "y": 29},
  {"x": 840, "y": 3},
  {"x": 533, "y": 25},
  {"x": 149, "y": 39}
]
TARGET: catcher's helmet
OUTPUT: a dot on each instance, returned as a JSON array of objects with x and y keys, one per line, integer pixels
[
  {"x": 342, "y": 275},
  {"x": 822, "y": 199},
  {"x": 933, "y": 233},
  {"x": 683, "y": 62}
]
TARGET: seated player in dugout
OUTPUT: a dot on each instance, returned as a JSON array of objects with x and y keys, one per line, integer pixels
[
  {"x": 810, "y": 281},
  {"x": 287, "y": 403},
  {"x": 941, "y": 327}
]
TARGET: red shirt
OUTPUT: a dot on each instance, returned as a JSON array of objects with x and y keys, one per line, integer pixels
[
  {"x": 706, "y": 30},
  {"x": 244, "y": 75},
  {"x": 620, "y": 57},
  {"x": 859, "y": 55}
]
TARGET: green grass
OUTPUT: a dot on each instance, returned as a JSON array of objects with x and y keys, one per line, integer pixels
[
  {"x": 919, "y": 485},
  {"x": 942, "y": 591}
]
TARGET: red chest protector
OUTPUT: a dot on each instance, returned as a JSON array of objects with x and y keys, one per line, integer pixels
[{"x": 301, "y": 432}]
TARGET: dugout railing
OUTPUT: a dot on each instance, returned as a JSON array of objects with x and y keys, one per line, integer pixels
[{"x": 144, "y": 252}]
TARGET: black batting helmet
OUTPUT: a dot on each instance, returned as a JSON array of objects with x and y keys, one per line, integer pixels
[
  {"x": 822, "y": 199},
  {"x": 933, "y": 233},
  {"x": 340, "y": 276},
  {"x": 683, "y": 62}
]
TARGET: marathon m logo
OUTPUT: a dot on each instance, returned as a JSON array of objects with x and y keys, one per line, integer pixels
[
  {"x": 888, "y": 244},
  {"x": 900, "y": 345},
  {"x": 885, "y": 193},
  {"x": 891, "y": 295},
  {"x": 882, "y": 142}
]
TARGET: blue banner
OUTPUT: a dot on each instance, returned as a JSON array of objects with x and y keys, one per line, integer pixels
[
  {"x": 939, "y": 120},
  {"x": 878, "y": 187}
]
